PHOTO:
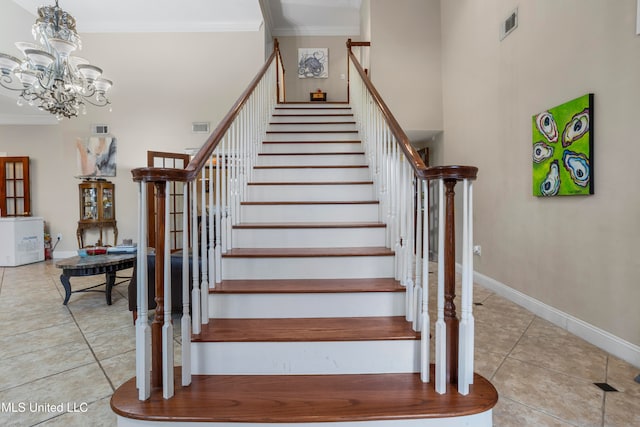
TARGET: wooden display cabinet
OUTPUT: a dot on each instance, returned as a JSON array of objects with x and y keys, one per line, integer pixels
[{"x": 97, "y": 209}]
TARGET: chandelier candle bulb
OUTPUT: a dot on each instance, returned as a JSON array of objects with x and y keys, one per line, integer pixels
[{"x": 49, "y": 77}]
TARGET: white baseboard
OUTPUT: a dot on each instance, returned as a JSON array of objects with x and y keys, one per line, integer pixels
[
  {"x": 64, "y": 254},
  {"x": 600, "y": 338}
]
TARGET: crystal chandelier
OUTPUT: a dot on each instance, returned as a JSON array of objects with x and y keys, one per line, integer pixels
[{"x": 48, "y": 76}]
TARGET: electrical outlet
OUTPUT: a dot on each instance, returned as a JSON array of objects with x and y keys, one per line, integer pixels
[
  {"x": 59, "y": 237},
  {"x": 477, "y": 250}
]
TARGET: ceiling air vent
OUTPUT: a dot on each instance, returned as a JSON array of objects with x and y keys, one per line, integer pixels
[
  {"x": 200, "y": 127},
  {"x": 100, "y": 129},
  {"x": 509, "y": 24}
]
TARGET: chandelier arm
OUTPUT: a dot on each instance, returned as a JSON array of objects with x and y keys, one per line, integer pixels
[{"x": 6, "y": 80}]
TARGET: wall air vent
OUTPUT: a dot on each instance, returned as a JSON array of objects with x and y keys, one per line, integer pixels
[
  {"x": 100, "y": 129},
  {"x": 200, "y": 127},
  {"x": 509, "y": 24}
]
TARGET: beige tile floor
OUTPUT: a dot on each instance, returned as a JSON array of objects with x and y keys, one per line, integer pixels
[{"x": 77, "y": 355}]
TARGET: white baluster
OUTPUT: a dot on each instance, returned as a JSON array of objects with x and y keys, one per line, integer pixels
[
  {"x": 204, "y": 287},
  {"x": 167, "y": 327},
  {"x": 425, "y": 323},
  {"x": 143, "y": 331},
  {"x": 441, "y": 328},
  {"x": 195, "y": 292},
  {"x": 417, "y": 325},
  {"x": 186, "y": 318},
  {"x": 211, "y": 227},
  {"x": 465, "y": 356},
  {"x": 218, "y": 226}
]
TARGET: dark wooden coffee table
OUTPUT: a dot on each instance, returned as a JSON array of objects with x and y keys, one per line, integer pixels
[{"x": 106, "y": 264}]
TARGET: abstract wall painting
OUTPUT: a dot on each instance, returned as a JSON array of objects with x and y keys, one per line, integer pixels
[
  {"x": 563, "y": 149},
  {"x": 313, "y": 63},
  {"x": 96, "y": 156}
]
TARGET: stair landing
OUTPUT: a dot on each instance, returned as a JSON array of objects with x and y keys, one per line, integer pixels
[{"x": 239, "y": 400}]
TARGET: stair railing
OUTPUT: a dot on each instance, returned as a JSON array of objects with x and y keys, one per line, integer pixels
[
  {"x": 216, "y": 180},
  {"x": 402, "y": 185}
]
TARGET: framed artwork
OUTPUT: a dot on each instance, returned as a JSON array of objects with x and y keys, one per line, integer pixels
[
  {"x": 96, "y": 156},
  {"x": 563, "y": 149},
  {"x": 313, "y": 63}
]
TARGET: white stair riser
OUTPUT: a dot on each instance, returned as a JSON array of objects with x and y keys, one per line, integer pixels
[
  {"x": 347, "y": 267},
  {"x": 310, "y": 213},
  {"x": 312, "y": 147},
  {"x": 299, "y": 305},
  {"x": 312, "y": 111},
  {"x": 310, "y": 192},
  {"x": 306, "y": 160},
  {"x": 311, "y": 174},
  {"x": 295, "y": 358},
  {"x": 312, "y": 118},
  {"x": 308, "y": 237},
  {"x": 305, "y": 127},
  {"x": 338, "y": 136},
  {"x": 483, "y": 419}
]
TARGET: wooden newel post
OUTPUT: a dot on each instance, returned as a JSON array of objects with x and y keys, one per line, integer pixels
[
  {"x": 450, "y": 316},
  {"x": 158, "y": 320}
]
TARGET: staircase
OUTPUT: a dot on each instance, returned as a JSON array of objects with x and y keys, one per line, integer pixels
[{"x": 308, "y": 325}]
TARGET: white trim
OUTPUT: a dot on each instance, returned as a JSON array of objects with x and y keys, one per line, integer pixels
[
  {"x": 483, "y": 419},
  {"x": 173, "y": 27},
  {"x": 27, "y": 119},
  {"x": 608, "y": 342},
  {"x": 315, "y": 31}
]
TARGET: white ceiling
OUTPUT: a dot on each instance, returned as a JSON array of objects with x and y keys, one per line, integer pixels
[
  {"x": 282, "y": 17},
  {"x": 313, "y": 17},
  {"x": 94, "y": 16}
]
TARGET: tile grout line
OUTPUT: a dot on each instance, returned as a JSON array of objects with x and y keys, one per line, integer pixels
[{"x": 95, "y": 357}]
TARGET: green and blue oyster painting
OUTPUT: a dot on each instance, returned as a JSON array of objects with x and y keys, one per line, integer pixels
[{"x": 563, "y": 149}]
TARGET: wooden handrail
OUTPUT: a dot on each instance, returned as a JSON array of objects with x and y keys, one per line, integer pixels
[
  {"x": 419, "y": 168},
  {"x": 403, "y": 140},
  {"x": 196, "y": 164}
]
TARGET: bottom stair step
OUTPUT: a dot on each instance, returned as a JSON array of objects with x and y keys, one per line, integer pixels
[{"x": 313, "y": 400}]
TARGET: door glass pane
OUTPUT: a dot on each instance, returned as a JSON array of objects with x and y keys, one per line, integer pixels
[
  {"x": 20, "y": 206},
  {"x": 9, "y": 171},
  {"x": 9, "y": 189},
  {"x": 20, "y": 188},
  {"x": 19, "y": 170},
  {"x": 11, "y": 207}
]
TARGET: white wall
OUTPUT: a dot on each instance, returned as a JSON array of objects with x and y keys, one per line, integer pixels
[
  {"x": 335, "y": 86},
  {"x": 162, "y": 83},
  {"x": 405, "y": 60},
  {"x": 576, "y": 254}
]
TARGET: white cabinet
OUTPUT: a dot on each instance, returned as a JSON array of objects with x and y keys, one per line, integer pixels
[{"x": 21, "y": 241}]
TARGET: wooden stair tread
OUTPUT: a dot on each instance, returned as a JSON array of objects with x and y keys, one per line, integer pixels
[
  {"x": 312, "y": 131},
  {"x": 312, "y": 167},
  {"x": 308, "y": 286},
  {"x": 278, "y": 225},
  {"x": 328, "y": 141},
  {"x": 312, "y": 183},
  {"x": 306, "y": 252},
  {"x": 333, "y": 153},
  {"x": 312, "y": 123},
  {"x": 303, "y": 398},
  {"x": 307, "y": 329},
  {"x": 311, "y": 202},
  {"x": 314, "y": 115}
]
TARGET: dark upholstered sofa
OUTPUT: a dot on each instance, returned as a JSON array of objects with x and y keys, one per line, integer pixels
[{"x": 176, "y": 284}]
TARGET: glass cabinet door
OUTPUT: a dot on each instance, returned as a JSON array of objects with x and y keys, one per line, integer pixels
[
  {"x": 107, "y": 203},
  {"x": 89, "y": 205}
]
